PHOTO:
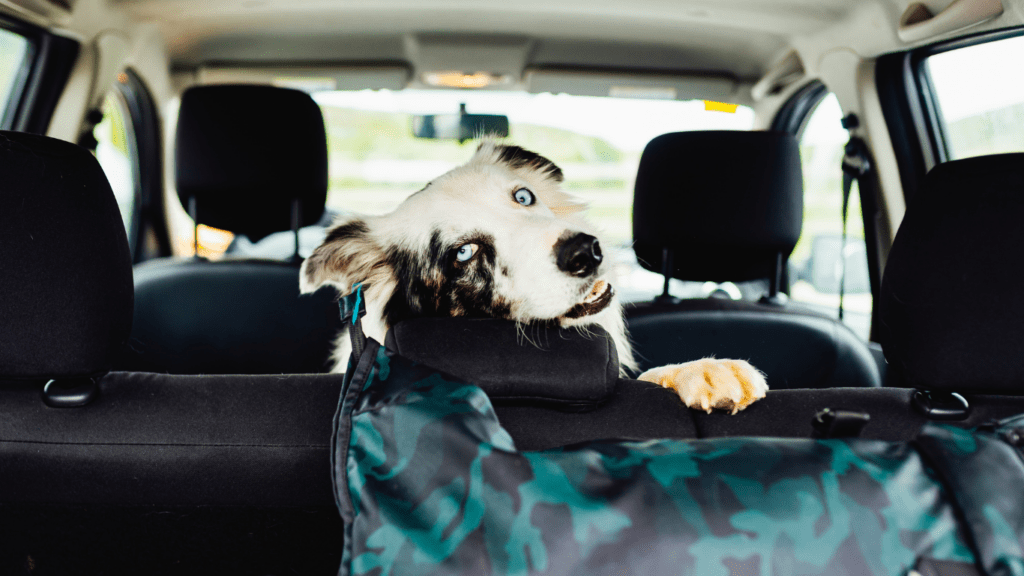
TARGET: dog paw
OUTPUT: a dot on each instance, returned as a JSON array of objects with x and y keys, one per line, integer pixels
[{"x": 709, "y": 383}]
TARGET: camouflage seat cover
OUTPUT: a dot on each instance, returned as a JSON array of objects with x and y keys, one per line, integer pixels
[{"x": 428, "y": 482}]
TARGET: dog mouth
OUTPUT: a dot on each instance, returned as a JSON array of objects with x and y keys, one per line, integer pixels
[{"x": 598, "y": 299}]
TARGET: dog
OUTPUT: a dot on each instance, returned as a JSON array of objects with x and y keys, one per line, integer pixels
[{"x": 499, "y": 237}]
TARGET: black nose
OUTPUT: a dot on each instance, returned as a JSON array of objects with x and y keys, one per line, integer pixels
[{"x": 579, "y": 255}]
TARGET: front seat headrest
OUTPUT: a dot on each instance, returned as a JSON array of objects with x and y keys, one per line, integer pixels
[
  {"x": 65, "y": 266},
  {"x": 952, "y": 316},
  {"x": 726, "y": 203},
  {"x": 243, "y": 154}
]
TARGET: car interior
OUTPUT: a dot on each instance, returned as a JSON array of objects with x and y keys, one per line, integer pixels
[{"x": 830, "y": 190}]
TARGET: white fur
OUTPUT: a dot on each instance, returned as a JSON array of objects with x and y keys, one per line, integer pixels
[{"x": 476, "y": 197}]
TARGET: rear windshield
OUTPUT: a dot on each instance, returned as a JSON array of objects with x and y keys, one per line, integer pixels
[{"x": 376, "y": 162}]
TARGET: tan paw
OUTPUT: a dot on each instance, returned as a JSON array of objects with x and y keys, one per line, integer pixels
[{"x": 709, "y": 383}]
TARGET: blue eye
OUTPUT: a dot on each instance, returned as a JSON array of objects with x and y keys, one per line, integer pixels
[
  {"x": 466, "y": 251},
  {"x": 524, "y": 197}
]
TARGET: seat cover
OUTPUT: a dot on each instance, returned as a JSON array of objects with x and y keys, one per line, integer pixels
[{"x": 428, "y": 481}]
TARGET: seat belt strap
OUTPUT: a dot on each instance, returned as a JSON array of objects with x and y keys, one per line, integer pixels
[
  {"x": 352, "y": 308},
  {"x": 855, "y": 166}
]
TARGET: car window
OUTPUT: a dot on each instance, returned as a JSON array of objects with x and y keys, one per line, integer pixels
[
  {"x": 979, "y": 94},
  {"x": 13, "y": 50},
  {"x": 816, "y": 269},
  {"x": 116, "y": 153}
]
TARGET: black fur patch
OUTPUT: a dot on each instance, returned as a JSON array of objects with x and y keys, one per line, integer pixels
[
  {"x": 435, "y": 284},
  {"x": 517, "y": 157},
  {"x": 325, "y": 255},
  {"x": 353, "y": 229}
]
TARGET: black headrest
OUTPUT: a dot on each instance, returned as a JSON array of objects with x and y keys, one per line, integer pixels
[
  {"x": 245, "y": 152},
  {"x": 725, "y": 202},
  {"x": 549, "y": 366},
  {"x": 65, "y": 266},
  {"x": 951, "y": 307}
]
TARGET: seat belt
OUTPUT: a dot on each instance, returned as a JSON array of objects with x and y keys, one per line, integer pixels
[
  {"x": 855, "y": 166},
  {"x": 352, "y": 308}
]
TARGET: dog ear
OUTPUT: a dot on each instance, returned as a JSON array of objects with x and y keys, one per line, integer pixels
[{"x": 348, "y": 255}]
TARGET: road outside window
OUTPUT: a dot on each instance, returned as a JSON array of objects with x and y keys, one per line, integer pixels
[{"x": 980, "y": 95}]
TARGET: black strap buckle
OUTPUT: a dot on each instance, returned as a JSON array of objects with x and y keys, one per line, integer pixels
[
  {"x": 939, "y": 405},
  {"x": 830, "y": 423},
  {"x": 70, "y": 392}
]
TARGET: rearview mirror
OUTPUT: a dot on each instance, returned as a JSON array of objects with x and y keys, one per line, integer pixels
[{"x": 459, "y": 126}]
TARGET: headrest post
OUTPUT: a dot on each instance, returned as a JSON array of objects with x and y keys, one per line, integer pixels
[
  {"x": 776, "y": 279},
  {"x": 296, "y": 224},
  {"x": 774, "y": 297},
  {"x": 666, "y": 271},
  {"x": 192, "y": 212}
]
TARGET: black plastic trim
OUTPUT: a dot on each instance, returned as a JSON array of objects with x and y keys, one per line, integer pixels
[
  {"x": 55, "y": 56},
  {"x": 792, "y": 117},
  {"x": 32, "y": 35},
  {"x": 149, "y": 217},
  {"x": 904, "y": 113}
]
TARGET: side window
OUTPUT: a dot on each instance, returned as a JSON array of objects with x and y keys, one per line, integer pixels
[
  {"x": 13, "y": 55},
  {"x": 821, "y": 263},
  {"x": 979, "y": 96},
  {"x": 117, "y": 154}
]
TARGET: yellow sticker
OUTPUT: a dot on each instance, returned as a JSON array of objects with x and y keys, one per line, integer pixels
[{"x": 720, "y": 106}]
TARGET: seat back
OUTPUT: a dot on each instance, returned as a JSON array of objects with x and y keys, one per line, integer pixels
[
  {"x": 728, "y": 206},
  {"x": 950, "y": 305},
  {"x": 251, "y": 160}
]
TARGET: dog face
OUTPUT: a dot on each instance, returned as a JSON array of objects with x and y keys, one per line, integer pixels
[{"x": 496, "y": 237}]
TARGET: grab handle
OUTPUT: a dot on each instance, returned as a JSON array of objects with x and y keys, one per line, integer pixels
[{"x": 917, "y": 22}]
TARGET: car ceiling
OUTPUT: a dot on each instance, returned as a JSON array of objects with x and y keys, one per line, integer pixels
[
  {"x": 741, "y": 37},
  {"x": 740, "y": 40}
]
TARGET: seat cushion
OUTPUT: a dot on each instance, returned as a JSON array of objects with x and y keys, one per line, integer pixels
[
  {"x": 794, "y": 350},
  {"x": 228, "y": 317}
]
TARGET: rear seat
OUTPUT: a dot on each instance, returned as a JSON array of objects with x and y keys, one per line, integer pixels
[
  {"x": 140, "y": 473},
  {"x": 727, "y": 206},
  {"x": 231, "y": 474},
  {"x": 251, "y": 160}
]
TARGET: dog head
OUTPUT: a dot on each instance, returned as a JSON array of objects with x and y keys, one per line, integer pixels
[{"x": 496, "y": 237}]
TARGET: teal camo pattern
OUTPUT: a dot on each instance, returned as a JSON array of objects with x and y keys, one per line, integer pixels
[
  {"x": 986, "y": 477},
  {"x": 434, "y": 485}
]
